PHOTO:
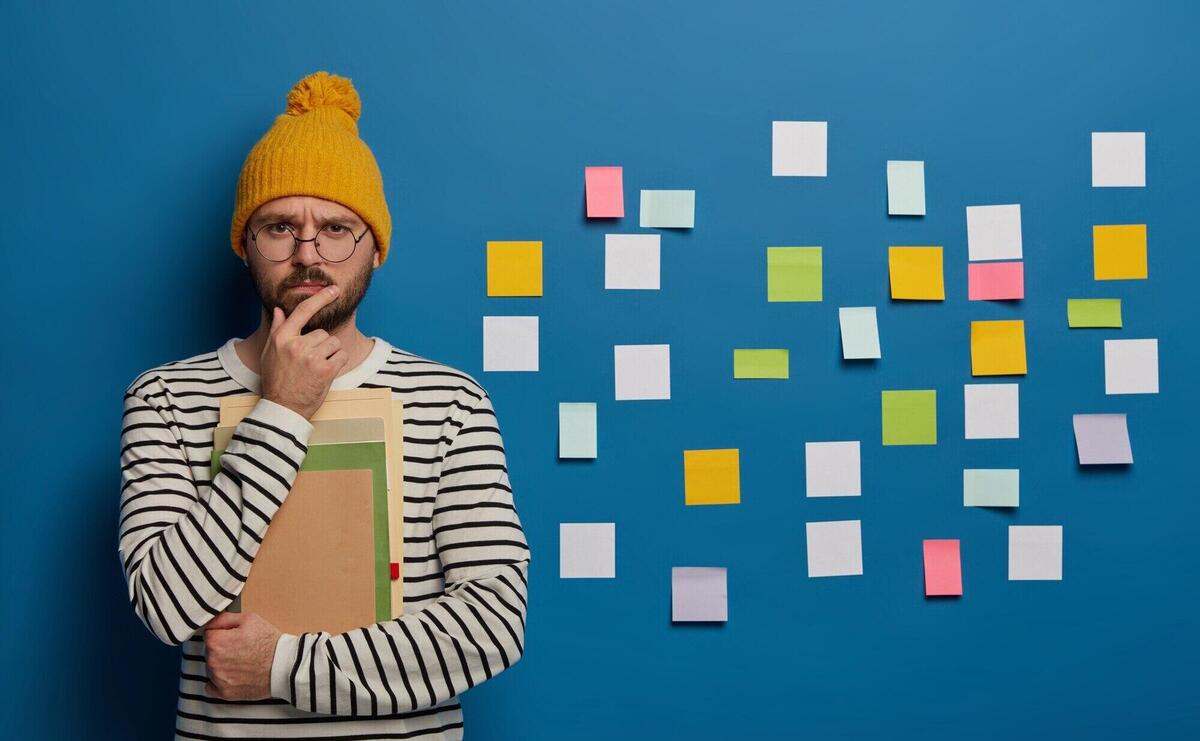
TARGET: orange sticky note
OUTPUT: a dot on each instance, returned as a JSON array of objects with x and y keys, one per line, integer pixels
[
  {"x": 995, "y": 281},
  {"x": 605, "y": 192},
  {"x": 998, "y": 348},
  {"x": 916, "y": 273},
  {"x": 1119, "y": 251},
  {"x": 711, "y": 476},
  {"x": 943, "y": 569},
  {"x": 514, "y": 268}
]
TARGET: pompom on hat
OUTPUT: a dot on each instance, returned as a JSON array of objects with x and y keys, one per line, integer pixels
[{"x": 313, "y": 149}]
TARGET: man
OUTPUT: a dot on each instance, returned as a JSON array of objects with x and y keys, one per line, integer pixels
[{"x": 311, "y": 224}]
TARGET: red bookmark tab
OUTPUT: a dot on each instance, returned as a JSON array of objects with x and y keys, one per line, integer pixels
[{"x": 395, "y": 570}]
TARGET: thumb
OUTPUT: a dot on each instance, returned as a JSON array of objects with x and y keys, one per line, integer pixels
[{"x": 224, "y": 620}]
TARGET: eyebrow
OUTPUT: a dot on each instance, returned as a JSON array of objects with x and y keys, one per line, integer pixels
[{"x": 276, "y": 216}]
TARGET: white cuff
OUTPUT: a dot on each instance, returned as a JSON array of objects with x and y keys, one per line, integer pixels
[
  {"x": 285, "y": 418},
  {"x": 281, "y": 666}
]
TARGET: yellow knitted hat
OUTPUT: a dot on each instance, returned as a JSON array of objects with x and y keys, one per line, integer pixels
[{"x": 313, "y": 149}]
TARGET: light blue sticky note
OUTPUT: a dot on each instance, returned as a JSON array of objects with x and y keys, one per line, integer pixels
[
  {"x": 577, "y": 429},
  {"x": 991, "y": 487},
  {"x": 860, "y": 332},
  {"x": 906, "y": 187},
  {"x": 668, "y": 209}
]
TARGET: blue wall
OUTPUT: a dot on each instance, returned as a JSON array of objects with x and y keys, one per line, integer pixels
[{"x": 125, "y": 127}]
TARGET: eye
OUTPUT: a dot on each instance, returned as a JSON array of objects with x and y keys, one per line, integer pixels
[
  {"x": 335, "y": 228},
  {"x": 277, "y": 228}
]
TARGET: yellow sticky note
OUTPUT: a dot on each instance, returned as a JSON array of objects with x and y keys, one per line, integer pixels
[
  {"x": 916, "y": 273},
  {"x": 514, "y": 268},
  {"x": 998, "y": 348},
  {"x": 711, "y": 476},
  {"x": 1119, "y": 251}
]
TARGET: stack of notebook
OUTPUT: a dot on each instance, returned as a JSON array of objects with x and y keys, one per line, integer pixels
[{"x": 331, "y": 559}]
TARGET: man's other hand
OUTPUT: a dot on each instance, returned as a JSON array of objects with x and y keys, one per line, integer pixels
[{"x": 240, "y": 649}]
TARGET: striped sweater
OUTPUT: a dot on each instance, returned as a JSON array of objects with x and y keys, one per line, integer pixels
[{"x": 186, "y": 544}]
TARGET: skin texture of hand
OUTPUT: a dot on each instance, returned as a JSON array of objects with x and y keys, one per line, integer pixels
[
  {"x": 298, "y": 369},
  {"x": 239, "y": 650}
]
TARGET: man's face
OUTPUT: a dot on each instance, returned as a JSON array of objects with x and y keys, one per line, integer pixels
[{"x": 276, "y": 282}]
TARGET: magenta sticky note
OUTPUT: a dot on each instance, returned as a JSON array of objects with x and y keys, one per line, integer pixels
[
  {"x": 943, "y": 569},
  {"x": 605, "y": 193},
  {"x": 995, "y": 281}
]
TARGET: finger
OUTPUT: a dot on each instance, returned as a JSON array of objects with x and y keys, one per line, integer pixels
[
  {"x": 305, "y": 310},
  {"x": 276, "y": 312},
  {"x": 328, "y": 347},
  {"x": 224, "y": 620},
  {"x": 339, "y": 359}
]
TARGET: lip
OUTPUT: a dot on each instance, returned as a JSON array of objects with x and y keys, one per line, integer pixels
[{"x": 307, "y": 287}]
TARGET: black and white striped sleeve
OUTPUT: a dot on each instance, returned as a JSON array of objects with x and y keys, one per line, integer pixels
[
  {"x": 186, "y": 550},
  {"x": 472, "y": 632}
]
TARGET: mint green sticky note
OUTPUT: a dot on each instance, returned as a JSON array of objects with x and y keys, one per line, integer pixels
[
  {"x": 794, "y": 274},
  {"x": 860, "y": 332},
  {"x": 668, "y": 209},
  {"x": 910, "y": 417},
  {"x": 577, "y": 429},
  {"x": 906, "y": 187},
  {"x": 1093, "y": 312},
  {"x": 772, "y": 363},
  {"x": 991, "y": 487}
]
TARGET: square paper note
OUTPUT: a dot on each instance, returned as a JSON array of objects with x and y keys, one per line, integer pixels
[
  {"x": 510, "y": 343},
  {"x": 995, "y": 281},
  {"x": 605, "y": 193},
  {"x": 1119, "y": 252},
  {"x": 1035, "y": 552},
  {"x": 711, "y": 476},
  {"x": 860, "y": 332},
  {"x": 514, "y": 268},
  {"x": 994, "y": 232},
  {"x": 1102, "y": 439},
  {"x": 916, "y": 273},
  {"x": 991, "y": 410},
  {"x": 794, "y": 274},
  {"x": 699, "y": 594},
  {"x": 998, "y": 348},
  {"x": 910, "y": 417},
  {"x": 834, "y": 548},
  {"x": 642, "y": 371},
  {"x": 1118, "y": 159},
  {"x": 631, "y": 261},
  {"x": 799, "y": 148},
  {"x": 587, "y": 550},
  {"x": 991, "y": 487},
  {"x": 1131, "y": 366},
  {"x": 833, "y": 469}
]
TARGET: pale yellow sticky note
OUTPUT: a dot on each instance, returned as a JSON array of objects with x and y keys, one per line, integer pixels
[
  {"x": 711, "y": 476},
  {"x": 998, "y": 348},
  {"x": 916, "y": 273},
  {"x": 514, "y": 268},
  {"x": 1119, "y": 251}
]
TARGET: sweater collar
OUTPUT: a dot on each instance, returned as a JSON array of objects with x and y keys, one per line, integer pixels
[{"x": 353, "y": 378}]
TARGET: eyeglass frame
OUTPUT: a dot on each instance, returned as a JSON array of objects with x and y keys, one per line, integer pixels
[{"x": 296, "y": 240}]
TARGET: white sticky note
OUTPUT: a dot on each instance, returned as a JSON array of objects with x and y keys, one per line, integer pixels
[
  {"x": 799, "y": 148},
  {"x": 587, "y": 550},
  {"x": 906, "y": 187},
  {"x": 860, "y": 332},
  {"x": 1131, "y": 366},
  {"x": 642, "y": 371},
  {"x": 631, "y": 261},
  {"x": 577, "y": 429},
  {"x": 1035, "y": 552},
  {"x": 834, "y": 548},
  {"x": 668, "y": 209},
  {"x": 1118, "y": 159},
  {"x": 699, "y": 594},
  {"x": 991, "y": 410},
  {"x": 994, "y": 232},
  {"x": 833, "y": 469},
  {"x": 991, "y": 487},
  {"x": 510, "y": 343}
]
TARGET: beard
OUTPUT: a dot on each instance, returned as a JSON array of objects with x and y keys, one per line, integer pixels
[{"x": 330, "y": 317}]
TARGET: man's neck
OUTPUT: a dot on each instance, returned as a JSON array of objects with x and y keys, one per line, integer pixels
[{"x": 354, "y": 342}]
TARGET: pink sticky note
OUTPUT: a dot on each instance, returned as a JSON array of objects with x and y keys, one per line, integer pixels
[
  {"x": 991, "y": 281},
  {"x": 943, "y": 569},
  {"x": 605, "y": 194}
]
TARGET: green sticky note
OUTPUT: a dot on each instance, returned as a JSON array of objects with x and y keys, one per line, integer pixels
[
  {"x": 910, "y": 417},
  {"x": 906, "y": 187},
  {"x": 1093, "y": 312},
  {"x": 771, "y": 363},
  {"x": 991, "y": 487},
  {"x": 341, "y": 456},
  {"x": 668, "y": 209},
  {"x": 577, "y": 429},
  {"x": 794, "y": 274}
]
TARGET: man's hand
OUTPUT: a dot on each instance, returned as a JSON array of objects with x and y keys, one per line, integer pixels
[
  {"x": 239, "y": 649},
  {"x": 298, "y": 369}
]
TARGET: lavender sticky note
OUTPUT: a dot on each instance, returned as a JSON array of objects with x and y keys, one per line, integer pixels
[
  {"x": 699, "y": 594},
  {"x": 1102, "y": 439}
]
